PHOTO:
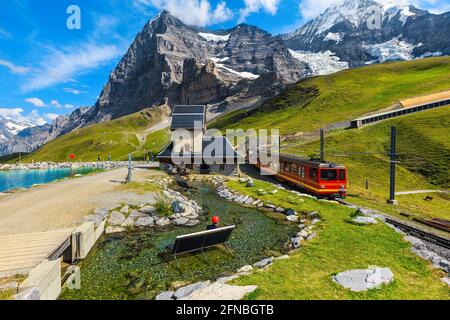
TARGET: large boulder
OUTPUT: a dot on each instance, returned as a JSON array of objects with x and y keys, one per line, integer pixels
[
  {"x": 162, "y": 222},
  {"x": 364, "y": 279},
  {"x": 148, "y": 210}
]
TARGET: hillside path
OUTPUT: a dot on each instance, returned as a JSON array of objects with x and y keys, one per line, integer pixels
[{"x": 57, "y": 205}]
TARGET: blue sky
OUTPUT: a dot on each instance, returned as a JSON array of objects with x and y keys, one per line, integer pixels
[{"x": 47, "y": 69}]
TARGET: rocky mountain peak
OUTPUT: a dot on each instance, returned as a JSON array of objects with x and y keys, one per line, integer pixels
[
  {"x": 347, "y": 32},
  {"x": 168, "y": 55}
]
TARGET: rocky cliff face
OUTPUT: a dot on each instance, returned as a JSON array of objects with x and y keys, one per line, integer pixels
[
  {"x": 361, "y": 32},
  {"x": 170, "y": 60}
]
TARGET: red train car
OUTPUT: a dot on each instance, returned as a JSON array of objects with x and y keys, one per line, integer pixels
[{"x": 322, "y": 179}]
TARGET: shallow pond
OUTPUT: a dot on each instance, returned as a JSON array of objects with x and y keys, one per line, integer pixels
[{"x": 135, "y": 266}]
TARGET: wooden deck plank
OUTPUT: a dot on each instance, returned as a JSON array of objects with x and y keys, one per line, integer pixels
[{"x": 25, "y": 251}]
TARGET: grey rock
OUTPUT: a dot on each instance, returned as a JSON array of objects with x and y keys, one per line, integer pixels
[
  {"x": 192, "y": 223},
  {"x": 186, "y": 291},
  {"x": 148, "y": 210},
  {"x": 365, "y": 220},
  {"x": 166, "y": 295},
  {"x": 136, "y": 214},
  {"x": 129, "y": 222},
  {"x": 296, "y": 242},
  {"x": 162, "y": 222},
  {"x": 263, "y": 263},
  {"x": 301, "y": 226},
  {"x": 221, "y": 291},
  {"x": 292, "y": 218},
  {"x": 246, "y": 268},
  {"x": 103, "y": 212},
  {"x": 364, "y": 279},
  {"x": 312, "y": 236},
  {"x": 180, "y": 221},
  {"x": 144, "y": 222},
  {"x": 315, "y": 221},
  {"x": 116, "y": 218},
  {"x": 125, "y": 209}
]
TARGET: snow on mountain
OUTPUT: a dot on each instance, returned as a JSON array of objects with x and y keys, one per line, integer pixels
[
  {"x": 336, "y": 37},
  {"x": 214, "y": 37},
  {"x": 366, "y": 31},
  {"x": 320, "y": 63},
  {"x": 391, "y": 50}
]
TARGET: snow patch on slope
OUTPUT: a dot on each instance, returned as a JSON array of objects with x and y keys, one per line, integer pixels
[
  {"x": 336, "y": 37},
  {"x": 320, "y": 63},
  {"x": 391, "y": 50},
  {"x": 214, "y": 37},
  {"x": 245, "y": 75}
]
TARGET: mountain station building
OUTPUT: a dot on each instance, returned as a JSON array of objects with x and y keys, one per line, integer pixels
[{"x": 192, "y": 149}]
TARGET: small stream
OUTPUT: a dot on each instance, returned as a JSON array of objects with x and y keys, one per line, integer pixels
[{"x": 135, "y": 265}]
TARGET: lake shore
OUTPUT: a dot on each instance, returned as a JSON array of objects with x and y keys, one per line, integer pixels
[{"x": 61, "y": 204}]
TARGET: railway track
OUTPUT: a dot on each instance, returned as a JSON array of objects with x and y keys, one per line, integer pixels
[
  {"x": 430, "y": 237},
  {"x": 421, "y": 234}
]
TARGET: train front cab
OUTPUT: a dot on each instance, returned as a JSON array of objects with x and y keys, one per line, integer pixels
[{"x": 333, "y": 180}]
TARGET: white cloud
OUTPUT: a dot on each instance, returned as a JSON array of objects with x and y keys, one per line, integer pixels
[
  {"x": 56, "y": 104},
  {"x": 73, "y": 91},
  {"x": 252, "y": 6},
  {"x": 15, "y": 68},
  {"x": 17, "y": 115},
  {"x": 36, "y": 102},
  {"x": 192, "y": 12},
  {"x": 51, "y": 116},
  {"x": 69, "y": 106},
  {"x": 59, "y": 66}
]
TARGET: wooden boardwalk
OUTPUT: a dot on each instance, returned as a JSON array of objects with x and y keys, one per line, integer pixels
[{"x": 21, "y": 253}]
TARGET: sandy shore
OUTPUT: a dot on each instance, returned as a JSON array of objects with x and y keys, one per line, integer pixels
[{"x": 60, "y": 204}]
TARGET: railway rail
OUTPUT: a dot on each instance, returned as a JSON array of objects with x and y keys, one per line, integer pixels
[{"x": 427, "y": 236}]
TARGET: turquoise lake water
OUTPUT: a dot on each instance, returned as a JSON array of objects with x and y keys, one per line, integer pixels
[{"x": 14, "y": 179}]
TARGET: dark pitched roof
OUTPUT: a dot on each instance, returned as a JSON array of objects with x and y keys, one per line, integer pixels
[
  {"x": 189, "y": 109},
  {"x": 185, "y": 117}
]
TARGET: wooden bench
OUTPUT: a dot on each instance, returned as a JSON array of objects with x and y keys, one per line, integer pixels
[{"x": 200, "y": 241}]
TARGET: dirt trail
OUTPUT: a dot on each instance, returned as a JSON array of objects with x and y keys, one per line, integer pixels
[{"x": 56, "y": 205}]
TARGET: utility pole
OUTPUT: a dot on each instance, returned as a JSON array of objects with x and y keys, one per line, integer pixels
[
  {"x": 322, "y": 145},
  {"x": 391, "y": 199}
]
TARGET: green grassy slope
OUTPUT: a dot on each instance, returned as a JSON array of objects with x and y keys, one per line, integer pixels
[
  {"x": 117, "y": 137},
  {"x": 316, "y": 102},
  {"x": 341, "y": 246},
  {"x": 424, "y": 151}
]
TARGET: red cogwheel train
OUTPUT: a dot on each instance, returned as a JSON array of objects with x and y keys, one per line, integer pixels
[{"x": 322, "y": 179}]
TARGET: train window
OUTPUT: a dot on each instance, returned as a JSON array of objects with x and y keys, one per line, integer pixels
[
  {"x": 328, "y": 175},
  {"x": 287, "y": 167},
  {"x": 294, "y": 168},
  {"x": 313, "y": 173},
  {"x": 301, "y": 171},
  {"x": 341, "y": 174}
]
